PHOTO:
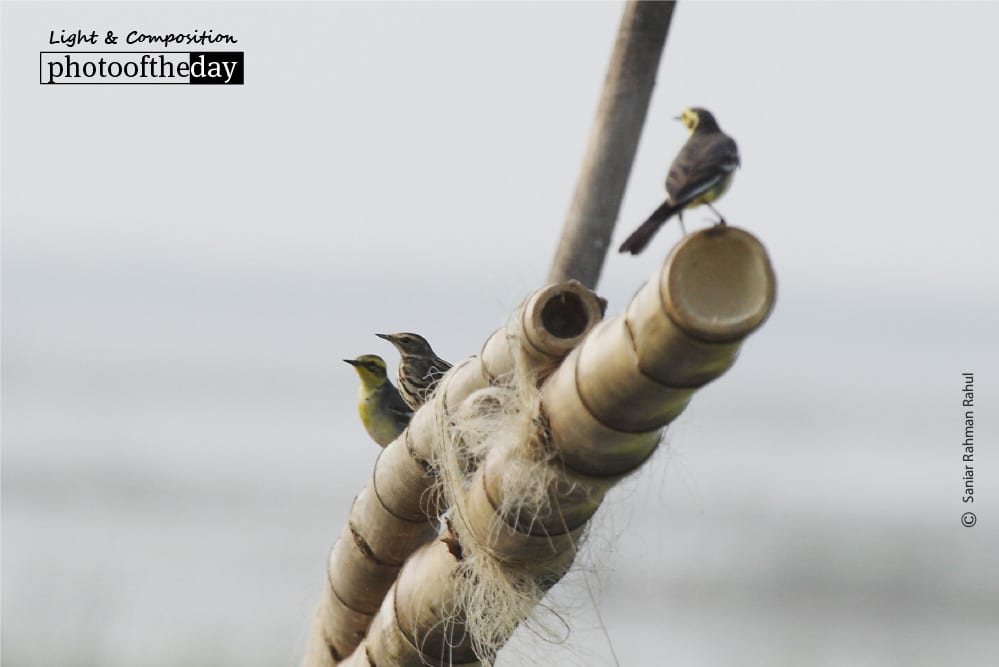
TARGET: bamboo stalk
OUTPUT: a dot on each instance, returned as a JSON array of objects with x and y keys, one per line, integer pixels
[
  {"x": 613, "y": 140},
  {"x": 612, "y": 395},
  {"x": 685, "y": 326},
  {"x": 551, "y": 322},
  {"x": 422, "y": 596},
  {"x": 397, "y": 511}
]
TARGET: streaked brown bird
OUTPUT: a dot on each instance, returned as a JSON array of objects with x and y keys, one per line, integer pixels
[
  {"x": 700, "y": 174},
  {"x": 420, "y": 369}
]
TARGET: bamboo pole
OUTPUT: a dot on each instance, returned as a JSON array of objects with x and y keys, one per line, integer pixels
[
  {"x": 397, "y": 510},
  {"x": 610, "y": 150},
  {"x": 605, "y": 409},
  {"x": 611, "y": 397}
]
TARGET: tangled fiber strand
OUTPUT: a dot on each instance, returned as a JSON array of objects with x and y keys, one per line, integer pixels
[{"x": 492, "y": 595}]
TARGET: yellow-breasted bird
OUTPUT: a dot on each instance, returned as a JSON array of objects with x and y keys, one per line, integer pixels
[
  {"x": 419, "y": 368},
  {"x": 701, "y": 173},
  {"x": 383, "y": 412}
]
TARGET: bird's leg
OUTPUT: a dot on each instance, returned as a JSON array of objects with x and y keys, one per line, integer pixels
[
  {"x": 721, "y": 218},
  {"x": 682, "y": 227}
]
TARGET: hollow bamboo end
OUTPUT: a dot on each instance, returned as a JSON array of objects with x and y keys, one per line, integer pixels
[
  {"x": 718, "y": 284},
  {"x": 558, "y": 317}
]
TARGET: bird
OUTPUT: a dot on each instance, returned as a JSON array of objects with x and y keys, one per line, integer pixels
[
  {"x": 701, "y": 173},
  {"x": 419, "y": 368},
  {"x": 383, "y": 412}
]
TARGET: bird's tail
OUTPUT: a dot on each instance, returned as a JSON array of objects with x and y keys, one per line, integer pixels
[{"x": 640, "y": 237}]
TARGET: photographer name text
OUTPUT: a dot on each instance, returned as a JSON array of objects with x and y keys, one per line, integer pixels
[{"x": 969, "y": 438}]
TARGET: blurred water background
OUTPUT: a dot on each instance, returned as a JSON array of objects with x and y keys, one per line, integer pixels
[{"x": 183, "y": 271}]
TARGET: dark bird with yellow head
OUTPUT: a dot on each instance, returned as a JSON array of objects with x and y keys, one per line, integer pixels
[
  {"x": 701, "y": 173},
  {"x": 383, "y": 412}
]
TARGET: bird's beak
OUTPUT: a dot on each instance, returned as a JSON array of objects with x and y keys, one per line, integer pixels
[
  {"x": 677, "y": 117},
  {"x": 389, "y": 337},
  {"x": 352, "y": 362}
]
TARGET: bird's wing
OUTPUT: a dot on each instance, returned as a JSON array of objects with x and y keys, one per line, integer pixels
[
  {"x": 397, "y": 407},
  {"x": 700, "y": 165},
  {"x": 438, "y": 368}
]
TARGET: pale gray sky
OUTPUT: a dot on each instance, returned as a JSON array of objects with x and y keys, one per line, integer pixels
[
  {"x": 864, "y": 129},
  {"x": 184, "y": 268}
]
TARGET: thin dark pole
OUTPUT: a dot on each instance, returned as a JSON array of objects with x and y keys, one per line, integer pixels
[{"x": 613, "y": 141}]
